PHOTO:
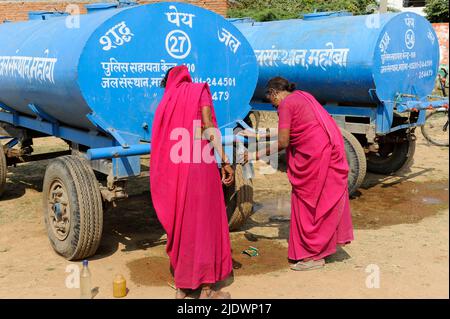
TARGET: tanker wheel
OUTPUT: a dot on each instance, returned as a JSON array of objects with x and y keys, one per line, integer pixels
[
  {"x": 391, "y": 157},
  {"x": 73, "y": 211},
  {"x": 3, "y": 170},
  {"x": 239, "y": 200},
  {"x": 253, "y": 119},
  {"x": 356, "y": 159}
]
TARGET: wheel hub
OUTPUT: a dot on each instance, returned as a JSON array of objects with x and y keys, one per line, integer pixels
[{"x": 59, "y": 210}]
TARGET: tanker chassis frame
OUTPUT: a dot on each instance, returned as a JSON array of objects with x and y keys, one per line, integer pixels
[{"x": 94, "y": 171}]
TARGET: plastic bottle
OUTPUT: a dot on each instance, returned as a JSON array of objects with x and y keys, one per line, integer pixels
[
  {"x": 119, "y": 286},
  {"x": 85, "y": 282},
  {"x": 247, "y": 169}
]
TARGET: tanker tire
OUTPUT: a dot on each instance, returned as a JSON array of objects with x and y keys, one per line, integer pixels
[
  {"x": 253, "y": 119},
  {"x": 86, "y": 211},
  {"x": 357, "y": 162},
  {"x": 401, "y": 158},
  {"x": 239, "y": 200},
  {"x": 3, "y": 170}
]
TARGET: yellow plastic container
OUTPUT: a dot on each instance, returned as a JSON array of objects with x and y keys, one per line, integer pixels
[{"x": 119, "y": 286}]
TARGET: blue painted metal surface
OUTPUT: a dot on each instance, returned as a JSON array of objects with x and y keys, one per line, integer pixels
[
  {"x": 117, "y": 151},
  {"x": 12, "y": 143},
  {"x": 45, "y": 15},
  {"x": 96, "y": 83},
  {"x": 326, "y": 14},
  {"x": 75, "y": 135},
  {"x": 113, "y": 63},
  {"x": 409, "y": 106},
  {"x": 357, "y": 59},
  {"x": 362, "y": 61}
]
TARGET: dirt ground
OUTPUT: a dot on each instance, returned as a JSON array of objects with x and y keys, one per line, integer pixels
[{"x": 401, "y": 229}]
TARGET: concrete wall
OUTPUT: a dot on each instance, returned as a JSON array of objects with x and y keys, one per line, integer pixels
[{"x": 17, "y": 10}]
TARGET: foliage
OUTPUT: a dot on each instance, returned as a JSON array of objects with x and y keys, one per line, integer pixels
[
  {"x": 267, "y": 10},
  {"x": 437, "y": 10}
]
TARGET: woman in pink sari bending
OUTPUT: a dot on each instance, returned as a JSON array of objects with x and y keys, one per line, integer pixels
[
  {"x": 186, "y": 185},
  {"x": 318, "y": 171}
]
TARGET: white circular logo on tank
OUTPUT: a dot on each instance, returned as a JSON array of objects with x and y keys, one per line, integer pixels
[
  {"x": 410, "y": 39},
  {"x": 178, "y": 44}
]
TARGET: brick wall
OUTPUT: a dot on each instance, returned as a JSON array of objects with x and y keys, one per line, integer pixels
[
  {"x": 18, "y": 10},
  {"x": 442, "y": 33}
]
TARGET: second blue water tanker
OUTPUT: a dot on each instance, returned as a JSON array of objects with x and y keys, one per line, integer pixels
[{"x": 373, "y": 73}]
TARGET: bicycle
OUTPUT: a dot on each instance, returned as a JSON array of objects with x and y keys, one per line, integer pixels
[{"x": 436, "y": 122}]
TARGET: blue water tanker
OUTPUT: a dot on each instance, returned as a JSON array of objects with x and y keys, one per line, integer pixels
[
  {"x": 94, "y": 81},
  {"x": 373, "y": 73}
]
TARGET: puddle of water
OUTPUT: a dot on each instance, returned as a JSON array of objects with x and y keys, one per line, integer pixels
[
  {"x": 154, "y": 271},
  {"x": 402, "y": 203},
  {"x": 377, "y": 206},
  {"x": 276, "y": 209}
]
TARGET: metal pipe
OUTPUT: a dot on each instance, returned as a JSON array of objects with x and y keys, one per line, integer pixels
[
  {"x": 141, "y": 149},
  {"x": 117, "y": 151},
  {"x": 409, "y": 106}
]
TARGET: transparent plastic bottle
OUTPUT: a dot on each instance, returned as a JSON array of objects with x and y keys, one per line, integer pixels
[
  {"x": 247, "y": 169},
  {"x": 85, "y": 282}
]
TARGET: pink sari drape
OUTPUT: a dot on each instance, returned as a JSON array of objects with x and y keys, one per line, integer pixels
[
  {"x": 188, "y": 197},
  {"x": 318, "y": 171}
]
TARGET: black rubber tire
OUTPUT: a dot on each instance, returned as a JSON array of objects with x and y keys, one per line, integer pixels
[
  {"x": 86, "y": 211},
  {"x": 239, "y": 200},
  {"x": 253, "y": 119},
  {"x": 3, "y": 170},
  {"x": 424, "y": 127},
  {"x": 400, "y": 156},
  {"x": 356, "y": 159}
]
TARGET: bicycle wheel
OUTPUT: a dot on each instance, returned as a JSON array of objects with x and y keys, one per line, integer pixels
[{"x": 435, "y": 129}]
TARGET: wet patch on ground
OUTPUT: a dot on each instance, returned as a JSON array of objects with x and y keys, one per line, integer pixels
[
  {"x": 402, "y": 203},
  {"x": 374, "y": 207},
  {"x": 272, "y": 256},
  {"x": 155, "y": 270},
  {"x": 150, "y": 271}
]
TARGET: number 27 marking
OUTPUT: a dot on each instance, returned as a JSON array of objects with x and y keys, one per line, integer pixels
[{"x": 178, "y": 44}]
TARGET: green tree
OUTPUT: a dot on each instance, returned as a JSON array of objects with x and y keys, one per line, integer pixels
[
  {"x": 267, "y": 10},
  {"x": 437, "y": 10}
]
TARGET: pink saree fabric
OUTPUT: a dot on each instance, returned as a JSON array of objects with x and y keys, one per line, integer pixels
[
  {"x": 187, "y": 195},
  {"x": 318, "y": 171}
]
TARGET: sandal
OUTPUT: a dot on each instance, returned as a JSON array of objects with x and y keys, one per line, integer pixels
[{"x": 308, "y": 265}]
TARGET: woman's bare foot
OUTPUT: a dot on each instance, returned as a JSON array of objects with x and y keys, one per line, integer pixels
[
  {"x": 180, "y": 294},
  {"x": 208, "y": 293}
]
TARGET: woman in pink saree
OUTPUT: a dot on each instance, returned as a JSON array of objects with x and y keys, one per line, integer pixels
[
  {"x": 186, "y": 186},
  {"x": 317, "y": 169}
]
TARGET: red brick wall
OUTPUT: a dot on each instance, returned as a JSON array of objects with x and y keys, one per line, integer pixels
[
  {"x": 442, "y": 33},
  {"x": 18, "y": 11}
]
